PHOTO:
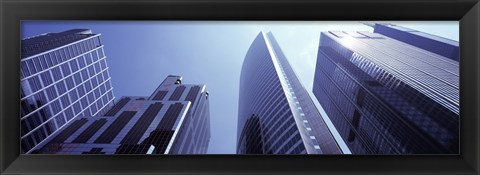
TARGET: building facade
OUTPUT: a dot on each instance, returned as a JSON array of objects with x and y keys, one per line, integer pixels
[
  {"x": 389, "y": 94},
  {"x": 276, "y": 115},
  {"x": 63, "y": 75},
  {"x": 175, "y": 119}
]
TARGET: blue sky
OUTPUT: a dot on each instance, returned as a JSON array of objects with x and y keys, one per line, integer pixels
[{"x": 141, "y": 54}]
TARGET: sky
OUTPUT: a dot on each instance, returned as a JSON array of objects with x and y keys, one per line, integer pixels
[{"x": 140, "y": 54}]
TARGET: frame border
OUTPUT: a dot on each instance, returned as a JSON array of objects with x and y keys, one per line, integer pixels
[{"x": 466, "y": 11}]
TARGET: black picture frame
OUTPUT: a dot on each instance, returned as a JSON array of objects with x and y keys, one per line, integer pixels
[{"x": 465, "y": 11}]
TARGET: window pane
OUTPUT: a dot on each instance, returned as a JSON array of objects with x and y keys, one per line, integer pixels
[
  {"x": 66, "y": 70},
  {"x": 31, "y": 67},
  {"x": 48, "y": 60},
  {"x": 100, "y": 53},
  {"x": 81, "y": 61},
  {"x": 70, "y": 84},
  {"x": 25, "y": 69},
  {"x": 78, "y": 78},
  {"x": 36, "y": 61},
  {"x": 62, "y": 54},
  {"x": 89, "y": 58},
  {"x": 94, "y": 55},
  {"x": 73, "y": 65},
  {"x": 43, "y": 62}
]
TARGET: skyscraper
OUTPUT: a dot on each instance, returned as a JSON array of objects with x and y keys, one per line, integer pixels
[
  {"x": 63, "y": 75},
  {"x": 389, "y": 93},
  {"x": 276, "y": 115},
  {"x": 175, "y": 119}
]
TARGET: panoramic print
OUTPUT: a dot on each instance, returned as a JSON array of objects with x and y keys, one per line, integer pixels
[{"x": 240, "y": 87}]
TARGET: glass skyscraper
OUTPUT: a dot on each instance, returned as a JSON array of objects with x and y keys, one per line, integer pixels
[
  {"x": 391, "y": 91},
  {"x": 63, "y": 75},
  {"x": 276, "y": 115},
  {"x": 175, "y": 119}
]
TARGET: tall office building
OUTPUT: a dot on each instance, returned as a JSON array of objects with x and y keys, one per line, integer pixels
[
  {"x": 390, "y": 92},
  {"x": 63, "y": 75},
  {"x": 173, "y": 120},
  {"x": 276, "y": 115}
]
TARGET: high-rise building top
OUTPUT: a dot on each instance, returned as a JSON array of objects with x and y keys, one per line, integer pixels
[
  {"x": 276, "y": 114},
  {"x": 388, "y": 96},
  {"x": 173, "y": 120},
  {"x": 63, "y": 76},
  {"x": 432, "y": 43},
  {"x": 44, "y": 42}
]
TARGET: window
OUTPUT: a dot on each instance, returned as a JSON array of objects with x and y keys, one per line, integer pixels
[
  {"x": 88, "y": 86},
  {"x": 85, "y": 76},
  {"x": 97, "y": 67},
  {"x": 70, "y": 84},
  {"x": 73, "y": 95},
  {"x": 65, "y": 101},
  {"x": 51, "y": 93},
  {"x": 75, "y": 50},
  {"x": 81, "y": 90},
  {"x": 74, "y": 65},
  {"x": 58, "y": 57},
  {"x": 69, "y": 113},
  {"x": 36, "y": 61},
  {"x": 99, "y": 78},
  {"x": 88, "y": 58},
  {"x": 78, "y": 78},
  {"x": 94, "y": 82},
  {"x": 47, "y": 78},
  {"x": 84, "y": 103},
  {"x": 57, "y": 75},
  {"x": 91, "y": 71},
  {"x": 97, "y": 93},
  {"x": 52, "y": 57},
  {"x": 95, "y": 55},
  {"x": 91, "y": 98},
  {"x": 100, "y": 52},
  {"x": 83, "y": 47},
  {"x": 31, "y": 67},
  {"x": 76, "y": 107},
  {"x": 103, "y": 64},
  {"x": 25, "y": 70},
  {"x": 61, "y": 87},
  {"x": 43, "y": 62},
  {"x": 81, "y": 61},
  {"x": 55, "y": 105},
  {"x": 66, "y": 69},
  {"x": 62, "y": 54},
  {"x": 105, "y": 75}
]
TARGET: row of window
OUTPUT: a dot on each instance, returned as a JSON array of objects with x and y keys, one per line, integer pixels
[
  {"x": 44, "y": 80},
  {"x": 49, "y": 77},
  {"x": 51, "y": 59},
  {"x": 69, "y": 113},
  {"x": 65, "y": 100}
]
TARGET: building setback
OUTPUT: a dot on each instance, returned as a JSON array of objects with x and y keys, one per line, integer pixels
[
  {"x": 173, "y": 120},
  {"x": 389, "y": 92},
  {"x": 63, "y": 75},
  {"x": 276, "y": 115}
]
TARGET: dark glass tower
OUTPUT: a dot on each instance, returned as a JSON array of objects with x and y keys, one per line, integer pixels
[
  {"x": 63, "y": 75},
  {"x": 389, "y": 93},
  {"x": 276, "y": 115},
  {"x": 173, "y": 120}
]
